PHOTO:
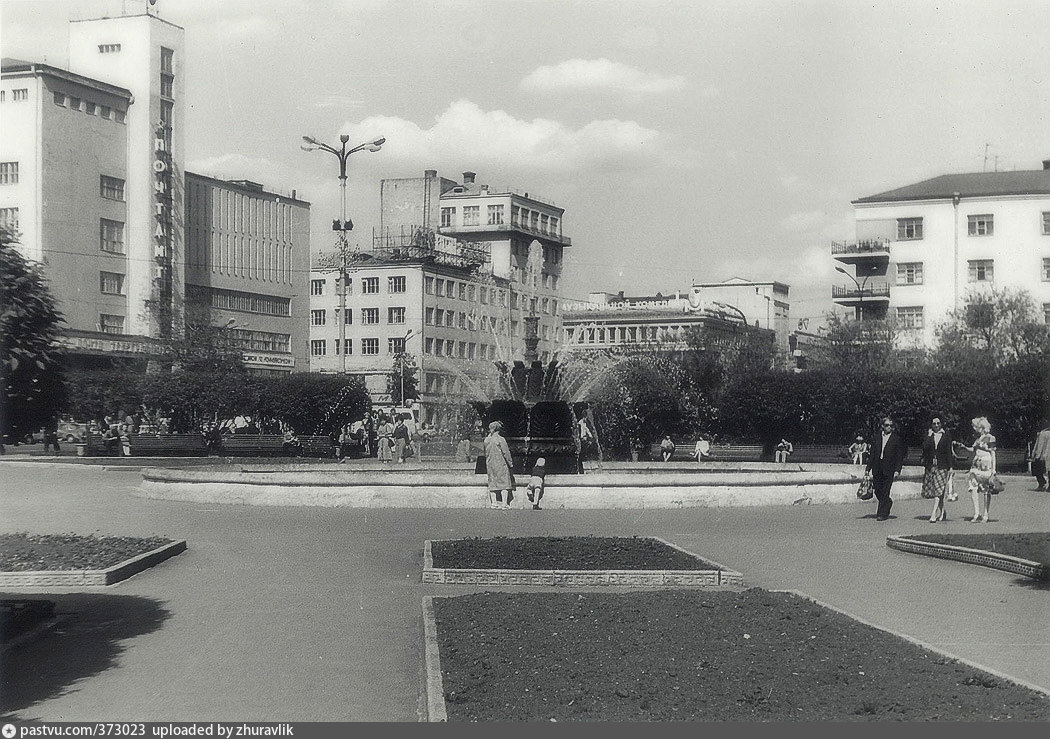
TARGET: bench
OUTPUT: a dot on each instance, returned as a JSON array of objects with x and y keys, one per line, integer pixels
[
  {"x": 720, "y": 452},
  {"x": 272, "y": 445},
  {"x": 826, "y": 453},
  {"x": 92, "y": 446},
  {"x": 168, "y": 445}
]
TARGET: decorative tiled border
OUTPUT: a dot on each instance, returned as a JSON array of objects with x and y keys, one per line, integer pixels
[
  {"x": 435, "y": 686},
  {"x": 91, "y": 578},
  {"x": 577, "y": 578},
  {"x": 1005, "y": 562}
]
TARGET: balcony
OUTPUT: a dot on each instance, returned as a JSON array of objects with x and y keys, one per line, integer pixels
[
  {"x": 874, "y": 293},
  {"x": 506, "y": 227},
  {"x": 867, "y": 251}
]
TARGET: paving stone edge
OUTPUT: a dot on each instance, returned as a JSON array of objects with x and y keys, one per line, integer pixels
[
  {"x": 435, "y": 687},
  {"x": 1004, "y": 562},
  {"x": 92, "y": 578}
]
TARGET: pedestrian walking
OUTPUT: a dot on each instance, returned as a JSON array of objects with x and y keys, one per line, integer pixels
[
  {"x": 499, "y": 465},
  {"x": 884, "y": 465},
  {"x": 937, "y": 456},
  {"x": 667, "y": 448},
  {"x": 1041, "y": 455},
  {"x": 401, "y": 439},
  {"x": 982, "y": 468},
  {"x": 536, "y": 483},
  {"x": 51, "y": 436},
  {"x": 784, "y": 450}
]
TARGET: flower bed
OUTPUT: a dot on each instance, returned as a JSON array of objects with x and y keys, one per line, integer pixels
[
  {"x": 564, "y": 553},
  {"x": 23, "y": 552},
  {"x": 675, "y": 655}
]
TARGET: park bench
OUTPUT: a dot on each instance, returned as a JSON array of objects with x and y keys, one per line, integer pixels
[
  {"x": 272, "y": 445},
  {"x": 168, "y": 445},
  {"x": 719, "y": 452},
  {"x": 92, "y": 446},
  {"x": 826, "y": 453}
]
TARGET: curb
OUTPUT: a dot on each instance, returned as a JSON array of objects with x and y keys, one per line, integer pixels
[
  {"x": 1004, "y": 562},
  {"x": 576, "y": 578},
  {"x": 435, "y": 687},
  {"x": 91, "y": 578},
  {"x": 936, "y": 650}
]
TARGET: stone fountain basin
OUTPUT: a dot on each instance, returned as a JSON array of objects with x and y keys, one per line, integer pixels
[{"x": 639, "y": 486}]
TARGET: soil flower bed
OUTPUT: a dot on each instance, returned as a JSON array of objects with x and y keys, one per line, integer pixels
[
  {"x": 1032, "y": 546},
  {"x": 676, "y": 655},
  {"x": 564, "y": 553},
  {"x": 23, "y": 552}
]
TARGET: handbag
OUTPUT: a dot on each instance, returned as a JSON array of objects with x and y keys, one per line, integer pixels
[
  {"x": 995, "y": 484},
  {"x": 866, "y": 491}
]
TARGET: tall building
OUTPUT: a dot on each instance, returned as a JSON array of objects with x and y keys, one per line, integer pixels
[
  {"x": 457, "y": 268},
  {"x": 763, "y": 304},
  {"x": 922, "y": 248},
  {"x": 92, "y": 177}
]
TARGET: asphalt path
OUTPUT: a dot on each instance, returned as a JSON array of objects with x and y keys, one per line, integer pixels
[{"x": 306, "y": 614}]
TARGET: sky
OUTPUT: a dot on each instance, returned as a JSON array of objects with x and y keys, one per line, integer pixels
[{"x": 686, "y": 140}]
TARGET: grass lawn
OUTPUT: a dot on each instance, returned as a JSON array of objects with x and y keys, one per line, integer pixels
[
  {"x": 1034, "y": 546},
  {"x": 676, "y": 655},
  {"x": 23, "y": 552},
  {"x": 563, "y": 553}
]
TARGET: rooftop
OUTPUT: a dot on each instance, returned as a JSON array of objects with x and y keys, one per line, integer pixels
[
  {"x": 12, "y": 66},
  {"x": 970, "y": 185}
]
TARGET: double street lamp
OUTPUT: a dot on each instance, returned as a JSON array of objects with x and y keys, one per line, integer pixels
[
  {"x": 401, "y": 362},
  {"x": 860, "y": 290},
  {"x": 343, "y": 224}
]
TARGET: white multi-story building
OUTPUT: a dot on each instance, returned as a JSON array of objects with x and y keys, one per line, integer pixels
[
  {"x": 458, "y": 284},
  {"x": 93, "y": 181},
  {"x": 922, "y": 248}
]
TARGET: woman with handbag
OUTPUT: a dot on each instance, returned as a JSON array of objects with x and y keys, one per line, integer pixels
[
  {"x": 982, "y": 469},
  {"x": 937, "y": 459}
]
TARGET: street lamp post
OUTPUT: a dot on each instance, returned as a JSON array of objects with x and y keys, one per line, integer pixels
[
  {"x": 860, "y": 290},
  {"x": 404, "y": 348},
  {"x": 343, "y": 224}
]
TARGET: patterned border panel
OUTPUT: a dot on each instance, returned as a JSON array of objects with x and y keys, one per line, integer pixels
[
  {"x": 91, "y": 578},
  {"x": 1004, "y": 562},
  {"x": 578, "y": 578}
]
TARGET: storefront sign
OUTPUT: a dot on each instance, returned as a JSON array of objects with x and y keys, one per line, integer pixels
[{"x": 268, "y": 360}]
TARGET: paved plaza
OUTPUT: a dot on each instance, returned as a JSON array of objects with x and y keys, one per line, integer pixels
[{"x": 298, "y": 613}]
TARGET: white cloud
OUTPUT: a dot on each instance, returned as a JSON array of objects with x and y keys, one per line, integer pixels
[
  {"x": 599, "y": 74},
  {"x": 466, "y": 133},
  {"x": 239, "y": 167},
  {"x": 804, "y": 222}
]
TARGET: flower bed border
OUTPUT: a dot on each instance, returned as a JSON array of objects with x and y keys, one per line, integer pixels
[
  {"x": 576, "y": 578},
  {"x": 1004, "y": 562},
  {"x": 434, "y": 688},
  {"x": 92, "y": 578}
]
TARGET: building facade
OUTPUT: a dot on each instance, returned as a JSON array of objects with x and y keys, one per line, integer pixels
[
  {"x": 92, "y": 178},
  {"x": 921, "y": 249},
  {"x": 449, "y": 286}
]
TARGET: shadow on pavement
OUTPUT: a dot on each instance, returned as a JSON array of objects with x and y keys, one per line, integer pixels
[
  {"x": 86, "y": 641},
  {"x": 1030, "y": 584}
]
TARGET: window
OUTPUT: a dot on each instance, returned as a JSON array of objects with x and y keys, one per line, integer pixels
[
  {"x": 471, "y": 215},
  {"x": 90, "y": 108},
  {"x": 463, "y": 321},
  {"x": 111, "y": 188},
  {"x": 439, "y": 317},
  {"x": 447, "y": 216},
  {"x": 395, "y": 346},
  {"x": 370, "y": 347},
  {"x": 544, "y": 222},
  {"x": 167, "y": 60},
  {"x": 167, "y": 112},
  {"x": 450, "y": 318},
  {"x": 1046, "y": 260},
  {"x": 428, "y": 317},
  {"x": 534, "y": 220},
  {"x": 167, "y": 83},
  {"x": 111, "y": 283},
  {"x": 395, "y": 315},
  {"x": 8, "y": 173},
  {"x": 462, "y": 291},
  {"x": 349, "y": 346},
  {"x": 111, "y": 236},
  {"x": 119, "y": 115},
  {"x": 428, "y": 285},
  {"x": 981, "y": 270},
  {"x": 370, "y": 285},
  {"x": 909, "y": 229},
  {"x": 317, "y": 318},
  {"x": 348, "y": 316},
  {"x": 74, "y": 103},
  {"x": 395, "y": 284},
  {"x": 554, "y": 226},
  {"x": 484, "y": 294},
  {"x": 317, "y": 348},
  {"x": 495, "y": 215},
  {"x": 450, "y": 289},
  {"x": 317, "y": 287},
  {"x": 438, "y": 346},
  {"x": 110, "y": 324},
  {"x": 909, "y": 317},
  {"x": 428, "y": 346},
  {"x": 22, "y": 93},
  {"x": 979, "y": 225},
  {"x": 1046, "y": 313},
  {"x": 108, "y": 48},
  {"x": 60, "y": 99},
  {"x": 370, "y": 316},
  {"x": 9, "y": 218},
  {"x": 104, "y": 111},
  {"x": 440, "y": 287},
  {"x": 470, "y": 293},
  {"x": 909, "y": 273},
  {"x": 1046, "y": 222}
]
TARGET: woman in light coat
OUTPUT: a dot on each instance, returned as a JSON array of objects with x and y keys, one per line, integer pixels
[
  {"x": 982, "y": 468},
  {"x": 499, "y": 463}
]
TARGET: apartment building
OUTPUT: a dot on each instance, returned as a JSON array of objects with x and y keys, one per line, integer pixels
[{"x": 922, "y": 248}]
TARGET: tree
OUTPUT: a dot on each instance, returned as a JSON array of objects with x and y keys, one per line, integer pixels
[
  {"x": 402, "y": 381},
  {"x": 31, "y": 372},
  {"x": 863, "y": 345},
  {"x": 204, "y": 347},
  {"x": 993, "y": 328}
]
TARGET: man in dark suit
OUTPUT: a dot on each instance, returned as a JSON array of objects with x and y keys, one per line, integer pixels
[{"x": 884, "y": 465}]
